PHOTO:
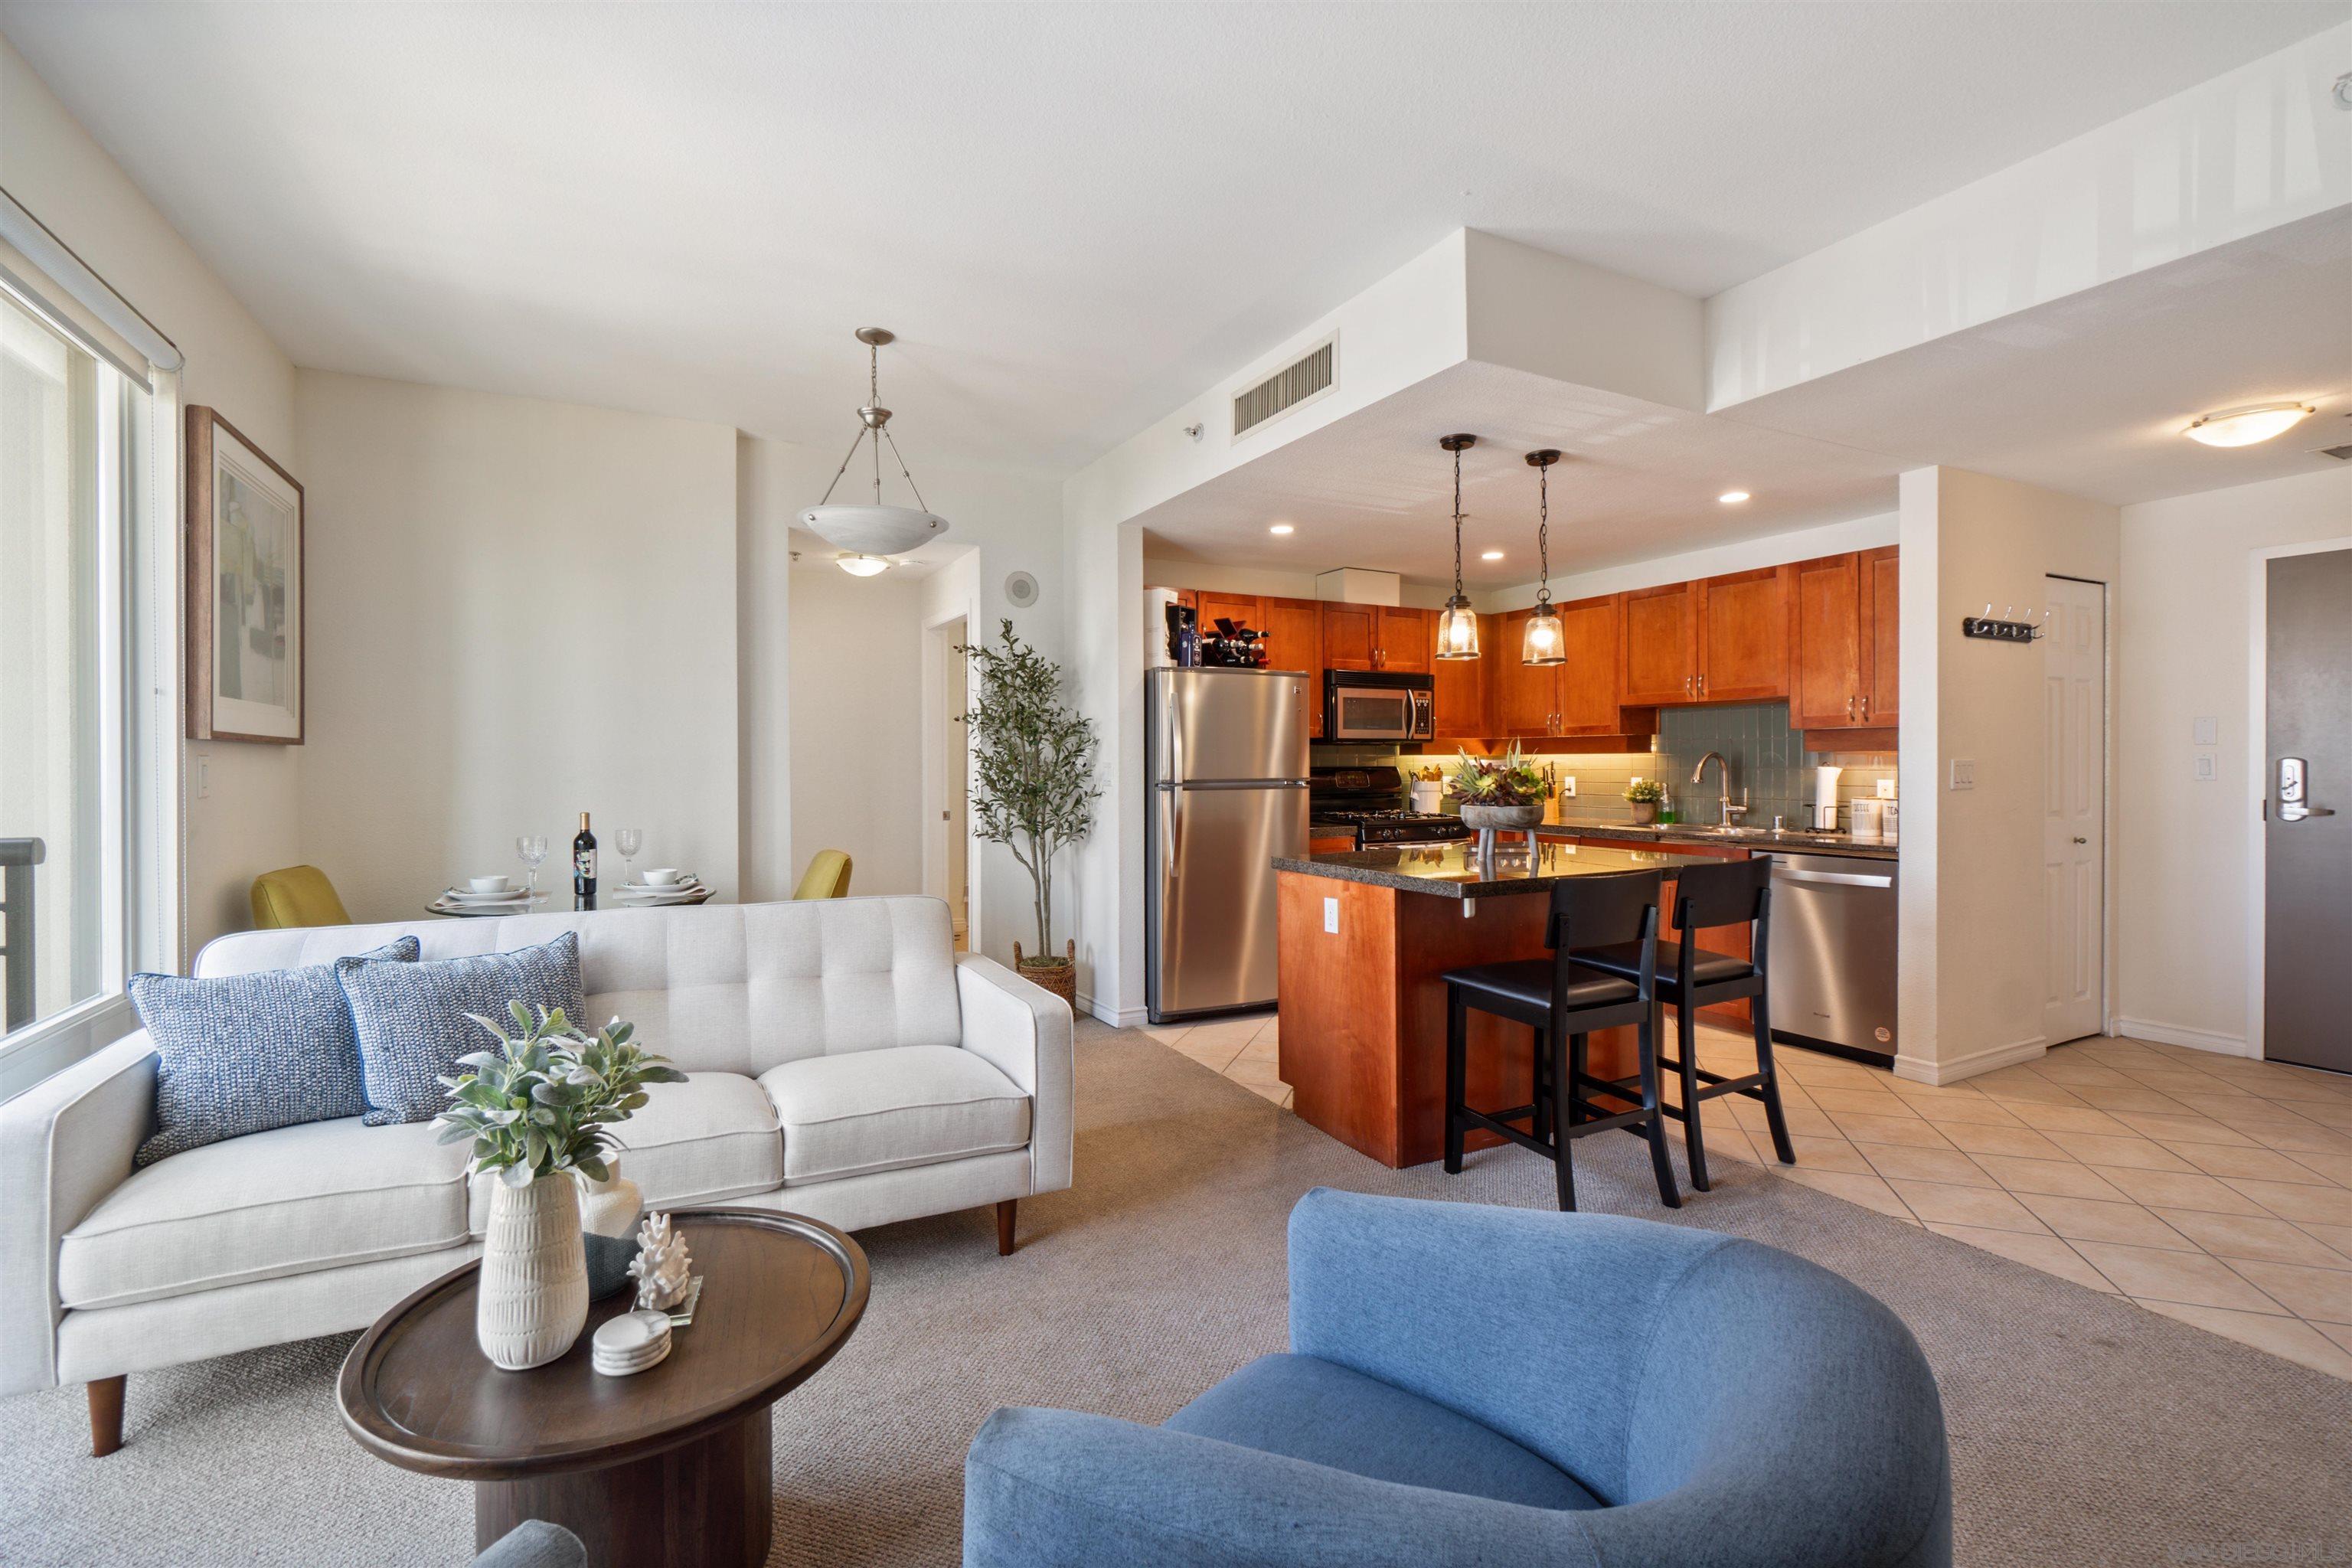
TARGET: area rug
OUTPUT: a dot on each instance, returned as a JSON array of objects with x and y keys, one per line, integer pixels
[{"x": 2084, "y": 1430}]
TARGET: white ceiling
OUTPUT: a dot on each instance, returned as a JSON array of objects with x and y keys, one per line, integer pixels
[
  {"x": 1638, "y": 480},
  {"x": 1076, "y": 216}
]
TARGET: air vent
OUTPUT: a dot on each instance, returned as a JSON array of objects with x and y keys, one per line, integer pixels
[
  {"x": 1296, "y": 384},
  {"x": 2341, "y": 454}
]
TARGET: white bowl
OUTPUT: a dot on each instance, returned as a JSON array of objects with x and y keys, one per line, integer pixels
[
  {"x": 661, "y": 876},
  {"x": 485, "y": 884}
]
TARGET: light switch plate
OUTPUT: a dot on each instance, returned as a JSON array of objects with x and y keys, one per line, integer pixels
[
  {"x": 1331, "y": 916},
  {"x": 2206, "y": 771},
  {"x": 1964, "y": 773},
  {"x": 2204, "y": 733},
  {"x": 203, "y": 775}
]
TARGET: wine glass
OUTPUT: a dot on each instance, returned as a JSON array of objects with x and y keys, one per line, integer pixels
[
  {"x": 531, "y": 847},
  {"x": 629, "y": 840}
]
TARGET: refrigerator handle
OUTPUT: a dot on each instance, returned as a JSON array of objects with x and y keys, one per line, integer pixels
[{"x": 1167, "y": 833}]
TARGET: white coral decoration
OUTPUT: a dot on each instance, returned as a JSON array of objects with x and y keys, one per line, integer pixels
[{"x": 661, "y": 1267}]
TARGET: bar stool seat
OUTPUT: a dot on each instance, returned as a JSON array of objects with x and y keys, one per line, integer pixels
[
  {"x": 1706, "y": 968},
  {"x": 1522, "y": 991}
]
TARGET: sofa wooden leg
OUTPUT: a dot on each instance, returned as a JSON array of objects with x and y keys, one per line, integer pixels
[
  {"x": 106, "y": 1416},
  {"x": 1004, "y": 1213}
]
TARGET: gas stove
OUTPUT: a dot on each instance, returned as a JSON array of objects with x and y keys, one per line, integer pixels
[{"x": 1393, "y": 826}]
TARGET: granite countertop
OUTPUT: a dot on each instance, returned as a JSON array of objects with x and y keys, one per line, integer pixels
[
  {"x": 1452, "y": 870},
  {"x": 1759, "y": 839}
]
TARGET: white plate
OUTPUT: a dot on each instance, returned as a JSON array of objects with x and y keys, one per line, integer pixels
[
  {"x": 664, "y": 895},
  {"x": 461, "y": 896}
]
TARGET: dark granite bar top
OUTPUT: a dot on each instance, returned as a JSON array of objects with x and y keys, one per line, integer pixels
[
  {"x": 1760, "y": 841},
  {"x": 1452, "y": 870}
]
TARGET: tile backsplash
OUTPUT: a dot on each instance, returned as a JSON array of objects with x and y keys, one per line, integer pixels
[
  {"x": 1769, "y": 762},
  {"x": 1600, "y": 777}
]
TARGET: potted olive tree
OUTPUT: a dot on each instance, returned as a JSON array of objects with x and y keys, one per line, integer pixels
[
  {"x": 1032, "y": 785},
  {"x": 540, "y": 1108}
]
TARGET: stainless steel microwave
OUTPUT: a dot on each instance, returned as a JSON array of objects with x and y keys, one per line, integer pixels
[{"x": 1378, "y": 705}]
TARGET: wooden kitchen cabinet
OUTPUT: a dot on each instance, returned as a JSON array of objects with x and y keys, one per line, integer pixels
[
  {"x": 1406, "y": 638},
  {"x": 1520, "y": 699},
  {"x": 1880, "y": 578},
  {"x": 1742, "y": 622},
  {"x": 1578, "y": 697},
  {"x": 1293, "y": 640},
  {"x": 1350, "y": 636},
  {"x": 1844, "y": 668},
  {"x": 1459, "y": 688},
  {"x": 1657, "y": 640},
  {"x": 1242, "y": 609}
]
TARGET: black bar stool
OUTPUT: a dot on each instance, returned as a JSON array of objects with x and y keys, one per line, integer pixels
[
  {"x": 1564, "y": 1002},
  {"x": 1733, "y": 892}
]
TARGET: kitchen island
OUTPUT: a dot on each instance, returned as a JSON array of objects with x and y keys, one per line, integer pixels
[{"x": 1364, "y": 939}]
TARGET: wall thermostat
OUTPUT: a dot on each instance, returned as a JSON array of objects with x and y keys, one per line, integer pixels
[{"x": 1021, "y": 590}]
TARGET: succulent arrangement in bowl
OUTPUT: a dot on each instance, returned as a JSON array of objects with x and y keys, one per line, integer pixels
[{"x": 1502, "y": 792}]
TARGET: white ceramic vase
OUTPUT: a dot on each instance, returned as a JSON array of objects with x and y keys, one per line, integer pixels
[
  {"x": 611, "y": 1207},
  {"x": 532, "y": 1298}
]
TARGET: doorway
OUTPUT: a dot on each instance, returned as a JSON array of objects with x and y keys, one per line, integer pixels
[
  {"x": 2306, "y": 818},
  {"x": 2074, "y": 810},
  {"x": 952, "y": 750}
]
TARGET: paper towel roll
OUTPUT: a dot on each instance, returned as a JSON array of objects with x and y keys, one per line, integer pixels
[{"x": 1825, "y": 781}]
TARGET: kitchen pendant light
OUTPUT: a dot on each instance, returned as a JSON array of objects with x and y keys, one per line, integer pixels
[
  {"x": 878, "y": 529},
  {"x": 1458, "y": 624},
  {"x": 1543, "y": 643}
]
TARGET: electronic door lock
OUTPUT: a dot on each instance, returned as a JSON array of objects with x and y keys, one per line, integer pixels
[{"x": 2295, "y": 792}]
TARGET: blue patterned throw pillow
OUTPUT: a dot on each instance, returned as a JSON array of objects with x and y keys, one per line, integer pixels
[
  {"x": 412, "y": 1023},
  {"x": 244, "y": 1053}
]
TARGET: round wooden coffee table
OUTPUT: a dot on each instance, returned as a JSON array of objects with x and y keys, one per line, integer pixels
[{"x": 667, "y": 1467}]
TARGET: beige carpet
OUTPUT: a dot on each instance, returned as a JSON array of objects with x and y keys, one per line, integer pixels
[{"x": 2084, "y": 1430}]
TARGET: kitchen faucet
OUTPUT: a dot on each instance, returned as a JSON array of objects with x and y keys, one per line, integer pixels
[{"x": 1723, "y": 788}]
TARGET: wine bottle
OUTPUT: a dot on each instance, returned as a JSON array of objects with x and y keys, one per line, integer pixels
[{"x": 584, "y": 867}]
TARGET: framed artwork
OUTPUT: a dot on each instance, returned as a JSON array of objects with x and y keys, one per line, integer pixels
[{"x": 246, "y": 609}]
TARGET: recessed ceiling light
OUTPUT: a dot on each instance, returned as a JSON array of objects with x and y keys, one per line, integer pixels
[
  {"x": 1490, "y": 555},
  {"x": 1732, "y": 497},
  {"x": 2244, "y": 426},
  {"x": 862, "y": 565},
  {"x": 1282, "y": 528}
]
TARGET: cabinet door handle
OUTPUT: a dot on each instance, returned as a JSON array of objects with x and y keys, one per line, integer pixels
[
  {"x": 1866, "y": 710},
  {"x": 1849, "y": 707},
  {"x": 1702, "y": 684}
]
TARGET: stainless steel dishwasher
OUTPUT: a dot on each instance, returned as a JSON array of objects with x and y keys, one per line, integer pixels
[{"x": 1831, "y": 965}]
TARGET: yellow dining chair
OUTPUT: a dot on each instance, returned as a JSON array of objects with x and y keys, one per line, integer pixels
[
  {"x": 297, "y": 896},
  {"x": 827, "y": 876}
]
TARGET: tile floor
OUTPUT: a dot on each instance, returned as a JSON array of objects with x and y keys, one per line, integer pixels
[{"x": 2212, "y": 1189}]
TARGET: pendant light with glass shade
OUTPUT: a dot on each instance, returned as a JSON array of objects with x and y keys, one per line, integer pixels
[
  {"x": 869, "y": 536},
  {"x": 1458, "y": 624},
  {"x": 1543, "y": 643}
]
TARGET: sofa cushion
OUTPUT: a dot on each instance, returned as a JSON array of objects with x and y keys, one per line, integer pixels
[
  {"x": 247, "y": 1053},
  {"x": 701, "y": 1142},
  {"x": 882, "y": 1110},
  {"x": 1307, "y": 1408},
  {"x": 412, "y": 1018},
  {"x": 288, "y": 1200}
]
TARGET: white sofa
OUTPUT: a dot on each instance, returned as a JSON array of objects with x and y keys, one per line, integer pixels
[{"x": 843, "y": 1062}]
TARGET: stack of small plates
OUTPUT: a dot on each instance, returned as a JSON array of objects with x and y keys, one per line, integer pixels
[
  {"x": 460, "y": 898},
  {"x": 686, "y": 889},
  {"x": 630, "y": 1342}
]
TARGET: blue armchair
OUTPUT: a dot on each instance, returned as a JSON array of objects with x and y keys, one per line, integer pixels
[{"x": 1474, "y": 1384}]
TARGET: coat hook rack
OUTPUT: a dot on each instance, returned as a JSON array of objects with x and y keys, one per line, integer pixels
[{"x": 2005, "y": 627}]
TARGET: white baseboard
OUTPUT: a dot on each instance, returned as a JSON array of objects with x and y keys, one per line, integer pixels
[
  {"x": 1133, "y": 1017},
  {"x": 1919, "y": 1069},
  {"x": 2196, "y": 1039}
]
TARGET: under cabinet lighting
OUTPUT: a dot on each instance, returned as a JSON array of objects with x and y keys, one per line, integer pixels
[{"x": 2244, "y": 426}]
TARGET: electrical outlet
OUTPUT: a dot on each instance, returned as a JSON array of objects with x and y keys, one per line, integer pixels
[
  {"x": 2206, "y": 771},
  {"x": 1964, "y": 773},
  {"x": 1886, "y": 789},
  {"x": 1568, "y": 786},
  {"x": 1331, "y": 916}
]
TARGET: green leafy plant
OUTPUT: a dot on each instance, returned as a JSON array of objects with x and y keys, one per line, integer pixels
[
  {"x": 1033, "y": 764},
  {"x": 1649, "y": 790},
  {"x": 1508, "y": 779},
  {"x": 546, "y": 1098}
]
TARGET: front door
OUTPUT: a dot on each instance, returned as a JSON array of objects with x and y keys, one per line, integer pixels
[
  {"x": 2073, "y": 809},
  {"x": 2307, "y": 811}
]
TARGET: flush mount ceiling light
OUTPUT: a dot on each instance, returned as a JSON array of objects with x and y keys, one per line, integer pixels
[
  {"x": 1732, "y": 497},
  {"x": 1282, "y": 528},
  {"x": 2244, "y": 426},
  {"x": 1458, "y": 624},
  {"x": 875, "y": 529},
  {"x": 1543, "y": 643},
  {"x": 862, "y": 565},
  {"x": 1490, "y": 555}
]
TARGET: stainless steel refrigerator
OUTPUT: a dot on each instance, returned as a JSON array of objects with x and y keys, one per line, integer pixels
[{"x": 1226, "y": 761}]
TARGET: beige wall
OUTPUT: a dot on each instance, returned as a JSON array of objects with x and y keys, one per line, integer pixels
[
  {"x": 857, "y": 676},
  {"x": 246, "y": 822},
  {"x": 2186, "y": 880},
  {"x": 1971, "y": 930},
  {"x": 520, "y": 611}
]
